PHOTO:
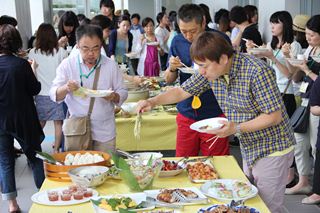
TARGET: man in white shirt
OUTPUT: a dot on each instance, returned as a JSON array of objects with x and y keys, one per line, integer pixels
[{"x": 79, "y": 70}]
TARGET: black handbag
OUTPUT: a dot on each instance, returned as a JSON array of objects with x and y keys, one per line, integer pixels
[{"x": 300, "y": 119}]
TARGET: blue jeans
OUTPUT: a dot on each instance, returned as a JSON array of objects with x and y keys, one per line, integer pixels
[{"x": 7, "y": 163}]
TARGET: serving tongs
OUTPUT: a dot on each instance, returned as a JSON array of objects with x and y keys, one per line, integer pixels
[
  {"x": 162, "y": 204},
  {"x": 234, "y": 203},
  {"x": 126, "y": 154},
  {"x": 203, "y": 159},
  {"x": 49, "y": 158},
  {"x": 179, "y": 197}
]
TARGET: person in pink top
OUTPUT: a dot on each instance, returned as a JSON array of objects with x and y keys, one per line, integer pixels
[{"x": 149, "y": 63}]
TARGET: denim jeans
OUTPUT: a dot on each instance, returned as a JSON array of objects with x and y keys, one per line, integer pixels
[{"x": 7, "y": 163}]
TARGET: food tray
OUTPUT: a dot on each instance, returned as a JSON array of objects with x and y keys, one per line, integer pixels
[
  {"x": 202, "y": 180},
  {"x": 60, "y": 172}
]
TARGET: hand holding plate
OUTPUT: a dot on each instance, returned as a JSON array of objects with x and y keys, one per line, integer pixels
[
  {"x": 72, "y": 85},
  {"x": 113, "y": 97},
  {"x": 228, "y": 128}
]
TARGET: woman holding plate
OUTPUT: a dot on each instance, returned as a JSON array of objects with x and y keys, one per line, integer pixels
[{"x": 149, "y": 63}]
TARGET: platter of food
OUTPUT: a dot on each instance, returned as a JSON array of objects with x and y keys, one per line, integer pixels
[
  {"x": 200, "y": 172},
  {"x": 170, "y": 168},
  {"x": 178, "y": 196},
  {"x": 73, "y": 159},
  {"x": 88, "y": 176},
  {"x": 227, "y": 208},
  {"x": 82, "y": 159},
  {"x": 93, "y": 93},
  {"x": 208, "y": 124},
  {"x": 135, "y": 202},
  {"x": 229, "y": 189},
  {"x": 64, "y": 196},
  {"x": 154, "y": 43}
]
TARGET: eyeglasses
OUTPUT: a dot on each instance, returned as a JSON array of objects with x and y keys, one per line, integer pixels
[{"x": 88, "y": 49}]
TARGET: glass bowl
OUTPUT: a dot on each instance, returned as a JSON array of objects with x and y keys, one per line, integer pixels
[{"x": 140, "y": 175}]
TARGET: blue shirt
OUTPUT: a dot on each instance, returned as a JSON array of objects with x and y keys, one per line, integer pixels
[
  {"x": 209, "y": 105},
  {"x": 137, "y": 27}
]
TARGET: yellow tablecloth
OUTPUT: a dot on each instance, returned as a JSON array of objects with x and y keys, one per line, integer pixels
[
  {"x": 226, "y": 166},
  {"x": 158, "y": 132}
]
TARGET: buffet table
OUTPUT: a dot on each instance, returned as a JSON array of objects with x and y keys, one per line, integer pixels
[
  {"x": 226, "y": 167},
  {"x": 158, "y": 132}
]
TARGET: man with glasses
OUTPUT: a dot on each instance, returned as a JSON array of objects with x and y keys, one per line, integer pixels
[
  {"x": 79, "y": 71},
  {"x": 191, "y": 22}
]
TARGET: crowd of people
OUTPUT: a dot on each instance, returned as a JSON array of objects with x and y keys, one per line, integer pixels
[{"x": 258, "y": 92}]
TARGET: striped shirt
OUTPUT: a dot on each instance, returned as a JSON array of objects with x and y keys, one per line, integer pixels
[{"x": 249, "y": 90}]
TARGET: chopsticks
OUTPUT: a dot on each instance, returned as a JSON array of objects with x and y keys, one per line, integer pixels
[
  {"x": 184, "y": 65},
  {"x": 215, "y": 138},
  {"x": 246, "y": 40}
]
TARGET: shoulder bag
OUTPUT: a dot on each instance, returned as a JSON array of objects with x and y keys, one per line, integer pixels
[{"x": 77, "y": 130}]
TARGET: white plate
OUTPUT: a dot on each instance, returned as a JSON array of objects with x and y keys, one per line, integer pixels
[
  {"x": 137, "y": 197},
  {"x": 155, "y": 43},
  {"x": 213, "y": 207},
  {"x": 208, "y": 189},
  {"x": 96, "y": 93},
  {"x": 208, "y": 162},
  {"x": 258, "y": 50},
  {"x": 316, "y": 58},
  {"x": 295, "y": 61},
  {"x": 213, "y": 123},
  {"x": 154, "y": 194},
  {"x": 42, "y": 198},
  {"x": 188, "y": 70},
  {"x": 170, "y": 173}
]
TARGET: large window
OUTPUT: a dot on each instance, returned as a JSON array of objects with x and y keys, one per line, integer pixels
[{"x": 89, "y": 8}]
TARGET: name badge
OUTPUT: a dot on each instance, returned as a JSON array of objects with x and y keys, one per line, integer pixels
[
  {"x": 305, "y": 102},
  {"x": 304, "y": 87}
]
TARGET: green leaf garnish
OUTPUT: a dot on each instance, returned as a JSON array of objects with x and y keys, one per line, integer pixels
[
  {"x": 48, "y": 157},
  {"x": 150, "y": 161}
]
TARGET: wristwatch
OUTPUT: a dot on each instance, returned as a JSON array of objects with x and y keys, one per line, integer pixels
[{"x": 238, "y": 131}]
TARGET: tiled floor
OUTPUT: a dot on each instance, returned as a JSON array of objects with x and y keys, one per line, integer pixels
[{"x": 26, "y": 187}]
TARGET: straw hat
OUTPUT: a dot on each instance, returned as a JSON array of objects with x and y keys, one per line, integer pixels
[{"x": 299, "y": 22}]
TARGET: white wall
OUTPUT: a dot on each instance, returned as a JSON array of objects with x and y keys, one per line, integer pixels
[
  {"x": 145, "y": 8},
  {"x": 226, "y": 4},
  {"x": 267, "y": 8},
  {"x": 174, "y": 5},
  {"x": 210, "y": 3}
]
